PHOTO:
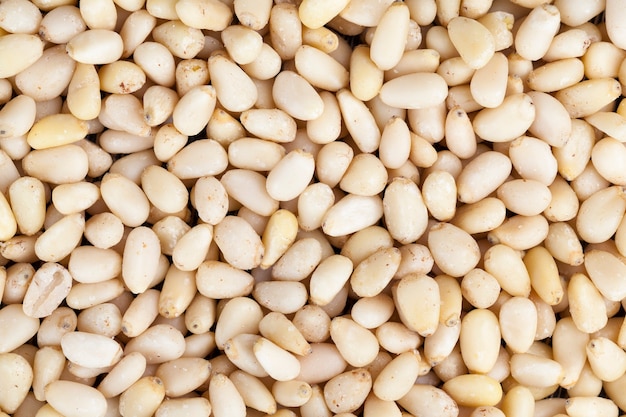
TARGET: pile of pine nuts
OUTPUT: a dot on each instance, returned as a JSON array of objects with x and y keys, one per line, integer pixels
[{"x": 312, "y": 208}]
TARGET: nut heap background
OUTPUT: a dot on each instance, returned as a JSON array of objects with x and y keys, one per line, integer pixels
[{"x": 312, "y": 208}]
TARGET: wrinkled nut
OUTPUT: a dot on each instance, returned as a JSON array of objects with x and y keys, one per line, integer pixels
[{"x": 47, "y": 290}]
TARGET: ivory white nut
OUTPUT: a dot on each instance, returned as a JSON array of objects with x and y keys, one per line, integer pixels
[
  {"x": 133, "y": 208},
  {"x": 578, "y": 406},
  {"x": 160, "y": 343},
  {"x": 164, "y": 190},
  {"x": 183, "y": 375},
  {"x": 221, "y": 280},
  {"x": 414, "y": 91},
  {"x": 234, "y": 88},
  {"x": 404, "y": 209},
  {"x": 8, "y": 222},
  {"x": 289, "y": 177},
  {"x": 346, "y": 392},
  {"x": 228, "y": 234},
  {"x": 239, "y": 351},
  {"x": 440, "y": 403},
  {"x": 269, "y": 124},
  {"x": 472, "y": 40},
  {"x": 453, "y": 249},
  {"x": 418, "y": 302},
  {"x": 37, "y": 80},
  {"x": 326, "y": 73},
  {"x": 96, "y": 46},
  {"x": 17, "y": 376},
  {"x": 357, "y": 345},
  {"x": 279, "y": 329},
  {"x": 586, "y": 304},
  {"x": 371, "y": 276},
  {"x": 535, "y": 370},
  {"x": 142, "y": 398},
  {"x": 91, "y": 350},
  {"x": 608, "y": 203},
  {"x": 75, "y": 197},
  {"x": 141, "y": 259},
  {"x": 44, "y": 164},
  {"x": 598, "y": 263},
  {"x": 606, "y": 358},
  {"x": 359, "y": 121},
  {"x": 191, "y": 161},
  {"x": 17, "y": 116},
  {"x": 517, "y": 109},
  {"x": 480, "y": 340},
  {"x": 397, "y": 377},
  {"x": 183, "y": 41},
  {"x": 175, "y": 407},
  {"x": 351, "y": 214},
  {"x": 474, "y": 390},
  {"x": 31, "y": 48},
  {"x": 537, "y": 31},
  {"x": 279, "y": 364},
  {"x": 193, "y": 110},
  {"x": 242, "y": 43},
  {"x": 74, "y": 399},
  {"x": 224, "y": 397},
  {"x": 61, "y": 238},
  {"x": 440, "y": 193},
  {"x": 390, "y": 37},
  {"x": 482, "y": 175}
]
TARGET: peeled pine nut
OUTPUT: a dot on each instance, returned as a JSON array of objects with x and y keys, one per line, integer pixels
[
  {"x": 599, "y": 92},
  {"x": 381, "y": 266},
  {"x": 586, "y": 304},
  {"x": 535, "y": 34},
  {"x": 439, "y": 237},
  {"x": 326, "y": 73},
  {"x": 440, "y": 345},
  {"x": 10, "y": 315},
  {"x": 347, "y": 335},
  {"x": 47, "y": 367},
  {"x": 418, "y": 303},
  {"x": 577, "y": 406},
  {"x": 397, "y": 338},
  {"x": 287, "y": 86},
  {"x": 473, "y": 389},
  {"x": 473, "y": 184},
  {"x": 8, "y": 223},
  {"x": 487, "y": 122},
  {"x": 534, "y": 370},
  {"x": 405, "y": 211},
  {"x": 464, "y": 34},
  {"x": 253, "y": 392},
  {"x": 569, "y": 349},
  {"x": 614, "y": 30},
  {"x": 504, "y": 264},
  {"x": 441, "y": 403},
  {"x": 518, "y": 323},
  {"x": 479, "y": 333},
  {"x": 390, "y": 37},
  {"x": 17, "y": 375},
  {"x": 359, "y": 121},
  {"x": 143, "y": 397},
  {"x": 358, "y": 381},
  {"x": 404, "y": 366},
  {"x": 31, "y": 47},
  {"x": 597, "y": 264}
]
